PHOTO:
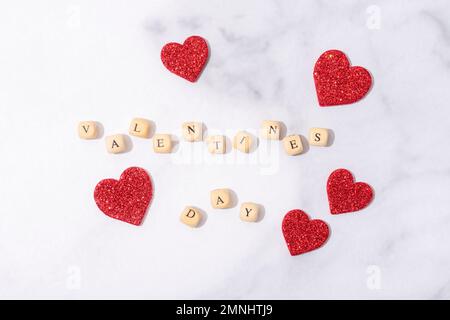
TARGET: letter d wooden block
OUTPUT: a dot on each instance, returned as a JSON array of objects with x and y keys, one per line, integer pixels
[{"x": 191, "y": 216}]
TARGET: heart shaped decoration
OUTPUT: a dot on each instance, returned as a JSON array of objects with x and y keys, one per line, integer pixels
[
  {"x": 186, "y": 60},
  {"x": 344, "y": 195},
  {"x": 126, "y": 199},
  {"x": 301, "y": 234},
  {"x": 337, "y": 82}
]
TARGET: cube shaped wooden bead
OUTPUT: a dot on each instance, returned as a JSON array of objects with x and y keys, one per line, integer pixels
[
  {"x": 249, "y": 212},
  {"x": 318, "y": 137},
  {"x": 293, "y": 144},
  {"x": 192, "y": 131},
  {"x": 140, "y": 127},
  {"x": 271, "y": 130},
  {"x": 116, "y": 143},
  {"x": 162, "y": 143},
  {"x": 242, "y": 141},
  {"x": 191, "y": 216},
  {"x": 221, "y": 198},
  {"x": 217, "y": 144},
  {"x": 87, "y": 130}
]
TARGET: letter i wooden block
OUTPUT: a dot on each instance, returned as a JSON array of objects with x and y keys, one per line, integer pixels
[
  {"x": 249, "y": 212},
  {"x": 192, "y": 131},
  {"x": 242, "y": 141},
  {"x": 162, "y": 143},
  {"x": 318, "y": 137},
  {"x": 116, "y": 143},
  {"x": 87, "y": 130},
  {"x": 221, "y": 198},
  {"x": 293, "y": 144},
  {"x": 140, "y": 128},
  {"x": 271, "y": 130},
  {"x": 191, "y": 216},
  {"x": 217, "y": 144}
]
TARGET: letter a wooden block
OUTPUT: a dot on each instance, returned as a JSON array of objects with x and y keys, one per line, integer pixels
[
  {"x": 116, "y": 143},
  {"x": 221, "y": 198},
  {"x": 191, "y": 216}
]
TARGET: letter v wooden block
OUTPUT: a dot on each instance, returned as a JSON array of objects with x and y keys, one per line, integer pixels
[{"x": 87, "y": 130}]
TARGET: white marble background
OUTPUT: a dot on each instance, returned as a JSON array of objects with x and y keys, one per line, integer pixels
[{"x": 66, "y": 61}]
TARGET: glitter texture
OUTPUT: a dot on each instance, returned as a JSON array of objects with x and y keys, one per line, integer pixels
[
  {"x": 344, "y": 195},
  {"x": 336, "y": 82},
  {"x": 301, "y": 234},
  {"x": 186, "y": 60},
  {"x": 126, "y": 199}
]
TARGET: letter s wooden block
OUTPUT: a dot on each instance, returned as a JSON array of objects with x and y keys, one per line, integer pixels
[
  {"x": 318, "y": 137},
  {"x": 191, "y": 216}
]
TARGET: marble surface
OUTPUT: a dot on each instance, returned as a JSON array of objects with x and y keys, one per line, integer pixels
[{"x": 66, "y": 61}]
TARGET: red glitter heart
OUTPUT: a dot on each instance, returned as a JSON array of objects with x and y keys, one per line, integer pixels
[
  {"x": 336, "y": 82},
  {"x": 344, "y": 195},
  {"x": 126, "y": 199},
  {"x": 301, "y": 234},
  {"x": 186, "y": 60}
]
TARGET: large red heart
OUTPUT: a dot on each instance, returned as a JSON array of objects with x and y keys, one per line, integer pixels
[
  {"x": 337, "y": 82},
  {"x": 301, "y": 234},
  {"x": 344, "y": 195},
  {"x": 125, "y": 199},
  {"x": 186, "y": 60}
]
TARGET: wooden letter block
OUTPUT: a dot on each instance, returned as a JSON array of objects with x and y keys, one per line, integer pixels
[
  {"x": 162, "y": 143},
  {"x": 192, "y": 131},
  {"x": 140, "y": 128},
  {"x": 318, "y": 137},
  {"x": 87, "y": 130},
  {"x": 191, "y": 216},
  {"x": 221, "y": 198},
  {"x": 116, "y": 143},
  {"x": 271, "y": 130},
  {"x": 242, "y": 141},
  {"x": 217, "y": 144},
  {"x": 249, "y": 212},
  {"x": 293, "y": 144}
]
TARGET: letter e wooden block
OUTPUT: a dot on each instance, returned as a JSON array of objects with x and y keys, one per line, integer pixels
[
  {"x": 293, "y": 144},
  {"x": 162, "y": 143}
]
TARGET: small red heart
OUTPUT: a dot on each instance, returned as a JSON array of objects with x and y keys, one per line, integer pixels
[
  {"x": 344, "y": 195},
  {"x": 337, "y": 82},
  {"x": 186, "y": 60},
  {"x": 301, "y": 234},
  {"x": 126, "y": 199}
]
